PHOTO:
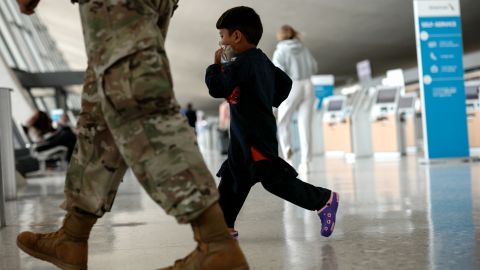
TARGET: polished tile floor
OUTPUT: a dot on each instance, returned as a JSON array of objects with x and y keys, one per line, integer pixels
[{"x": 393, "y": 215}]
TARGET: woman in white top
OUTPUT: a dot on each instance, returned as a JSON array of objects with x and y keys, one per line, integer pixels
[{"x": 298, "y": 62}]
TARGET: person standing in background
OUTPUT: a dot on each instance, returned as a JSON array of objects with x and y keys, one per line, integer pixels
[
  {"x": 191, "y": 115},
  {"x": 224, "y": 126},
  {"x": 297, "y": 61}
]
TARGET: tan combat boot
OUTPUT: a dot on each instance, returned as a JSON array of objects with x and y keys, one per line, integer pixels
[
  {"x": 216, "y": 250},
  {"x": 67, "y": 248}
]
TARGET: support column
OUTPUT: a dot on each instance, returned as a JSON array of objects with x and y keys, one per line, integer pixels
[{"x": 6, "y": 142}]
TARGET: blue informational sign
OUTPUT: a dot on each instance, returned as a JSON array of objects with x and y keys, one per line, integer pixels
[
  {"x": 440, "y": 56},
  {"x": 323, "y": 86},
  {"x": 321, "y": 92}
]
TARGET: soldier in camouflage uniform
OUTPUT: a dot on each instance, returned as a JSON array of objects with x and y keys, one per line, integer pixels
[{"x": 130, "y": 119}]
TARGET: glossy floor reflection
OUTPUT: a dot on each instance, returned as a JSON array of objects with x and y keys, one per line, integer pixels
[{"x": 393, "y": 215}]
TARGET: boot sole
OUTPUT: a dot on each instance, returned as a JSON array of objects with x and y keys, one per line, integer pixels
[{"x": 50, "y": 259}]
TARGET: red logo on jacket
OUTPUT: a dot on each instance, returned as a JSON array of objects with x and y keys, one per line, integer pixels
[{"x": 233, "y": 98}]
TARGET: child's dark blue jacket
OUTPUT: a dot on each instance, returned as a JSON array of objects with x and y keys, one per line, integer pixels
[{"x": 252, "y": 85}]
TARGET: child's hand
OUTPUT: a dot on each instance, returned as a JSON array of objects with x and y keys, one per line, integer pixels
[
  {"x": 27, "y": 6},
  {"x": 218, "y": 56}
]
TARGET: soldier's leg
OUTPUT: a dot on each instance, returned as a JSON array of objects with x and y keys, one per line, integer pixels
[
  {"x": 159, "y": 145},
  {"x": 96, "y": 168},
  {"x": 92, "y": 180},
  {"x": 154, "y": 139}
]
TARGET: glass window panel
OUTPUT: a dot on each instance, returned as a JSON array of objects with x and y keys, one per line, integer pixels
[
  {"x": 20, "y": 43},
  {"x": 12, "y": 46},
  {"x": 40, "y": 104},
  {"x": 36, "y": 39},
  {"x": 5, "y": 11},
  {"x": 50, "y": 102},
  {"x": 26, "y": 43},
  {"x": 14, "y": 10},
  {"x": 74, "y": 101},
  {"x": 6, "y": 53},
  {"x": 34, "y": 52}
]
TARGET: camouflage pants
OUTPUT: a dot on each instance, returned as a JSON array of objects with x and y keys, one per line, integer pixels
[{"x": 130, "y": 118}]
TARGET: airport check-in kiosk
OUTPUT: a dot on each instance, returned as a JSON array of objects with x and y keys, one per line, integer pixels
[
  {"x": 336, "y": 126},
  {"x": 406, "y": 123},
  {"x": 473, "y": 115},
  {"x": 361, "y": 105},
  {"x": 384, "y": 124}
]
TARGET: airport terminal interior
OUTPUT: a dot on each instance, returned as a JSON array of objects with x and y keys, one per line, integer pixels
[{"x": 392, "y": 117}]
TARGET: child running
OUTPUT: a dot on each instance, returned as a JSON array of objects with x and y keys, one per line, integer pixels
[{"x": 253, "y": 85}]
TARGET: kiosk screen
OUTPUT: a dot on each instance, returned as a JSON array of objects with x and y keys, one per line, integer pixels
[
  {"x": 386, "y": 96},
  {"x": 335, "y": 105},
  {"x": 406, "y": 102}
]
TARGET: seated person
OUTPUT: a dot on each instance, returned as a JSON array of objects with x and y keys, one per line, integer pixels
[
  {"x": 38, "y": 127},
  {"x": 40, "y": 130}
]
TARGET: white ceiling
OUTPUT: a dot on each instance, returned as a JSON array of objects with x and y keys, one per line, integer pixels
[{"x": 339, "y": 33}]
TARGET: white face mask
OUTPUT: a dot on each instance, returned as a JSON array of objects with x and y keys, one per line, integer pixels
[{"x": 228, "y": 53}]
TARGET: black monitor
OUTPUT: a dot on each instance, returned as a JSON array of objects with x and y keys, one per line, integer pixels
[
  {"x": 471, "y": 92},
  {"x": 406, "y": 102},
  {"x": 386, "y": 96},
  {"x": 335, "y": 105}
]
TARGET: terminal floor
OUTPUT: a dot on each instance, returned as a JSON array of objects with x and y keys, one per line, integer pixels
[{"x": 393, "y": 215}]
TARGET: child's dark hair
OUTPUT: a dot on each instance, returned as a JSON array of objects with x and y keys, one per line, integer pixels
[{"x": 243, "y": 19}]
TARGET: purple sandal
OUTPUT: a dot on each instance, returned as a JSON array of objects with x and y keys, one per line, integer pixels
[{"x": 328, "y": 215}]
